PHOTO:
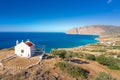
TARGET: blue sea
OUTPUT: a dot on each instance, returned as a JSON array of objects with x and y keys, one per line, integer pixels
[{"x": 48, "y": 39}]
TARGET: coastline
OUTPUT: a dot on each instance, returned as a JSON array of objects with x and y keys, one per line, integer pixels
[
  {"x": 94, "y": 48},
  {"x": 50, "y": 40},
  {"x": 82, "y": 45},
  {"x": 100, "y": 39}
]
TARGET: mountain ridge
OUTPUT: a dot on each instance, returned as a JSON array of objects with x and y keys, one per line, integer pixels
[{"x": 95, "y": 30}]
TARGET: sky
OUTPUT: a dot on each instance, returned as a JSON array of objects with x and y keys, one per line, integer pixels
[{"x": 56, "y": 15}]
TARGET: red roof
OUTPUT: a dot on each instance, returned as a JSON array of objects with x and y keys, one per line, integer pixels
[{"x": 29, "y": 43}]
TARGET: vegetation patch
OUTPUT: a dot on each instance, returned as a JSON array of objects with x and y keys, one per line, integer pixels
[
  {"x": 112, "y": 63},
  {"x": 90, "y": 57},
  {"x": 101, "y": 50},
  {"x": 116, "y": 47},
  {"x": 104, "y": 76},
  {"x": 67, "y": 54},
  {"x": 99, "y": 45},
  {"x": 73, "y": 70},
  {"x": 60, "y": 53},
  {"x": 118, "y": 56}
]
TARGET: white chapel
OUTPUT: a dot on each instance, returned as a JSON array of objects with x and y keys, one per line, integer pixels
[{"x": 25, "y": 49}]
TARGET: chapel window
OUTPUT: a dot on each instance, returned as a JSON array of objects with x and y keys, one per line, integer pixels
[{"x": 22, "y": 51}]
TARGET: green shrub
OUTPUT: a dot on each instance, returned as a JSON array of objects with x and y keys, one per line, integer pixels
[
  {"x": 101, "y": 59},
  {"x": 37, "y": 71},
  {"x": 99, "y": 45},
  {"x": 90, "y": 57},
  {"x": 73, "y": 70},
  {"x": 101, "y": 50},
  {"x": 104, "y": 76},
  {"x": 69, "y": 55},
  {"x": 110, "y": 62},
  {"x": 114, "y": 67},
  {"x": 60, "y": 53},
  {"x": 112, "y": 53},
  {"x": 116, "y": 47},
  {"x": 118, "y": 56}
]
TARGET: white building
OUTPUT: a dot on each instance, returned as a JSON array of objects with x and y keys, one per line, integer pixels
[{"x": 25, "y": 49}]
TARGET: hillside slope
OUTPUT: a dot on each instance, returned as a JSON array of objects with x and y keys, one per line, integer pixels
[{"x": 95, "y": 30}]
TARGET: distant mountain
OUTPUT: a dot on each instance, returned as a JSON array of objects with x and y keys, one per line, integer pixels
[{"x": 95, "y": 30}]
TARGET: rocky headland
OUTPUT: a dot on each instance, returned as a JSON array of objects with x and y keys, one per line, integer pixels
[{"x": 95, "y": 30}]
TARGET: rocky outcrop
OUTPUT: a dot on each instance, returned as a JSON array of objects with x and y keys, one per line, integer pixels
[
  {"x": 95, "y": 30},
  {"x": 73, "y": 31}
]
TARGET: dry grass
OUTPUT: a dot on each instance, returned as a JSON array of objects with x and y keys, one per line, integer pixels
[
  {"x": 16, "y": 63},
  {"x": 4, "y": 53},
  {"x": 95, "y": 68},
  {"x": 21, "y": 62}
]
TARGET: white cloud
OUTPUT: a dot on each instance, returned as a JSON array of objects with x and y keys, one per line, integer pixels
[{"x": 109, "y": 1}]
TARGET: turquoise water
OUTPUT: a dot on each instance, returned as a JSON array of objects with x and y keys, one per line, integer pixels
[{"x": 49, "y": 40}]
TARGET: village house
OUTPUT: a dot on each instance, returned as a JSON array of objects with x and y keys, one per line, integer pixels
[{"x": 25, "y": 49}]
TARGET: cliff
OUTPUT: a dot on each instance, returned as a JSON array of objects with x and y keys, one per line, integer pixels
[{"x": 95, "y": 30}]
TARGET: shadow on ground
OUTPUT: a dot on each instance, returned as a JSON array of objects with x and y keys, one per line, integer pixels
[
  {"x": 45, "y": 56},
  {"x": 38, "y": 53},
  {"x": 79, "y": 61}
]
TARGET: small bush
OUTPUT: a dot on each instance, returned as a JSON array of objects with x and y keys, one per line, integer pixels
[
  {"x": 73, "y": 70},
  {"x": 114, "y": 67},
  {"x": 60, "y": 53},
  {"x": 118, "y": 56},
  {"x": 104, "y": 76},
  {"x": 101, "y": 59},
  {"x": 36, "y": 72},
  {"x": 90, "y": 57},
  {"x": 22, "y": 74}
]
